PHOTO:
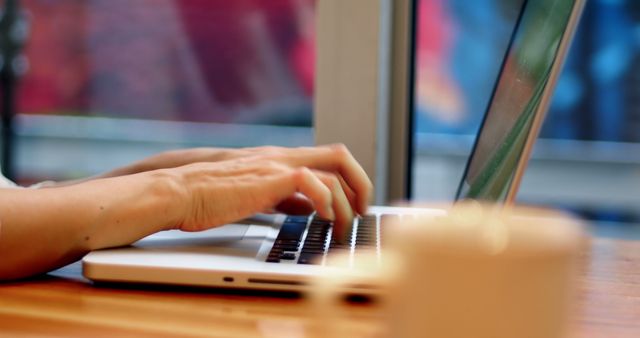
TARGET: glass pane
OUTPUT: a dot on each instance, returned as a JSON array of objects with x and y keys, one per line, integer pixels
[
  {"x": 597, "y": 97},
  {"x": 127, "y": 78},
  {"x": 460, "y": 49},
  {"x": 520, "y": 92},
  {"x": 588, "y": 154}
]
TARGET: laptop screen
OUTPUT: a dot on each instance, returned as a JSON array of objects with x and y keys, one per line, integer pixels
[{"x": 517, "y": 97}]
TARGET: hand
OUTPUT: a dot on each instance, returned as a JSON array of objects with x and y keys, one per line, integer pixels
[
  {"x": 181, "y": 157},
  {"x": 174, "y": 159},
  {"x": 253, "y": 180}
]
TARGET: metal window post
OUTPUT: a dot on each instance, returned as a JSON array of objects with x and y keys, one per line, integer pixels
[
  {"x": 363, "y": 86},
  {"x": 13, "y": 33}
]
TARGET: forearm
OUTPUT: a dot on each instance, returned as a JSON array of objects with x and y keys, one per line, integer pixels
[{"x": 41, "y": 230}]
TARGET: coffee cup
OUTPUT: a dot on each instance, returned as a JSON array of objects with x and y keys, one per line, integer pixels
[{"x": 478, "y": 271}]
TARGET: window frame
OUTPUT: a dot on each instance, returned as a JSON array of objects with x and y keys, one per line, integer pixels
[{"x": 362, "y": 101}]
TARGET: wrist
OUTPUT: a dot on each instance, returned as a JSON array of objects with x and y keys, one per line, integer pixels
[
  {"x": 168, "y": 187},
  {"x": 126, "y": 209}
]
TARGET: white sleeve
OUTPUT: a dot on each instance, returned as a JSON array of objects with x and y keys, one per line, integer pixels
[{"x": 6, "y": 183}]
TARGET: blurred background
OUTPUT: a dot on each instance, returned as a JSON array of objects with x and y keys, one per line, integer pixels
[
  {"x": 106, "y": 82},
  {"x": 111, "y": 81},
  {"x": 588, "y": 156}
]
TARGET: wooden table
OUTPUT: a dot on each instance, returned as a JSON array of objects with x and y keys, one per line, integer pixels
[{"x": 65, "y": 305}]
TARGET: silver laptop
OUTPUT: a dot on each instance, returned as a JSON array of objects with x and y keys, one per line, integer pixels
[{"x": 280, "y": 252}]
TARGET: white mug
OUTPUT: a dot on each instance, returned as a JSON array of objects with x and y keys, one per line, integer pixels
[{"x": 480, "y": 271}]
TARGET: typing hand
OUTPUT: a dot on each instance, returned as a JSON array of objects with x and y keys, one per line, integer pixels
[{"x": 326, "y": 179}]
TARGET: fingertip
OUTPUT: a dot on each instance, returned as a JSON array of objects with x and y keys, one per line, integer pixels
[
  {"x": 365, "y": 199},
  {"x": 363, "y": 206},
  {"x": 341, "y": 233},
  {"x": 328, "y": 211},
  {"x": 326, "y": 214},
  {"x": 338, "y": 233},
  {"x": 343, "y": 227},
  {"x": 331, "y": 215}
]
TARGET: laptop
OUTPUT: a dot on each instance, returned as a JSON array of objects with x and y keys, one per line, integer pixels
[{"x": 285, "y": 253}]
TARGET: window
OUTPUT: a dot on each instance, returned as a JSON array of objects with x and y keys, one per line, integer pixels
[
  {"x": 127, "y": 78},
  {"x": 587, "y": 155},
  {"x": 111, "y": 81},
  {"x": 459, "y": 52}
]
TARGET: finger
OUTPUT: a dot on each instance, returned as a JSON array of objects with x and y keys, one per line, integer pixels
[
  {"x": 296, "y": 204},
  {"x": 352, "y": 174},
  {"x": 229, "y": 191},
  {"x": 308, "y": 184},
  {"x": 351, "y": 195},
  {"x": 341, "y": 206},
  {"x": 336, "y": 158}
]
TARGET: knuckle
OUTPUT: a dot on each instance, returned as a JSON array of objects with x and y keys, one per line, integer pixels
[
  {"x": 341, "y": 150},
  {"x": 270, "y": 153},
  {"x": 271, "y": 150},
  {"x": 300, "y": 174},
  {"x": 273, "y": 166}
]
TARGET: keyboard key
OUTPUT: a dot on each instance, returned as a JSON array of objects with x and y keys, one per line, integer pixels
[
  {"x": 335, "y": 244},
  {"x": 287, "y": 245},
  {"x": 313, "y": 246},
  {"x": 297, "y": 219},
  {"x": 291, "y": 231},
  {"x": 320, "y": 221},
  {"x": 288, "y": 256},
  {"x": 309, "y": 258},
  {"x": 319, "y": 252},
  {"x": 293, "y": 248},
  {"x": 289, "y": 238},
  {"x": 273, "y": 258},
  {"x": 317, "y": 241},
  {"x": 286, "y": 241},
  {"x": 366, "y": 238},
  {"x": 368, "y": 219}
]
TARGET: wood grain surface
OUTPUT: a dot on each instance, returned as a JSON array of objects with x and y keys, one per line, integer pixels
[{"x": 63, "y": 304}]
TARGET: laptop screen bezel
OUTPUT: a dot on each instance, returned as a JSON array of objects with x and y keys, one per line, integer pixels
[{"x": 540, "y": 110}]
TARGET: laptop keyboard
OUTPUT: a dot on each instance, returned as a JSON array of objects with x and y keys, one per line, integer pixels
[{"x": 306, "y": 239}]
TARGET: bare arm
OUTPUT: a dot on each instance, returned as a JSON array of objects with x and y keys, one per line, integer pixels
[{"x": 42, "y": 229}]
